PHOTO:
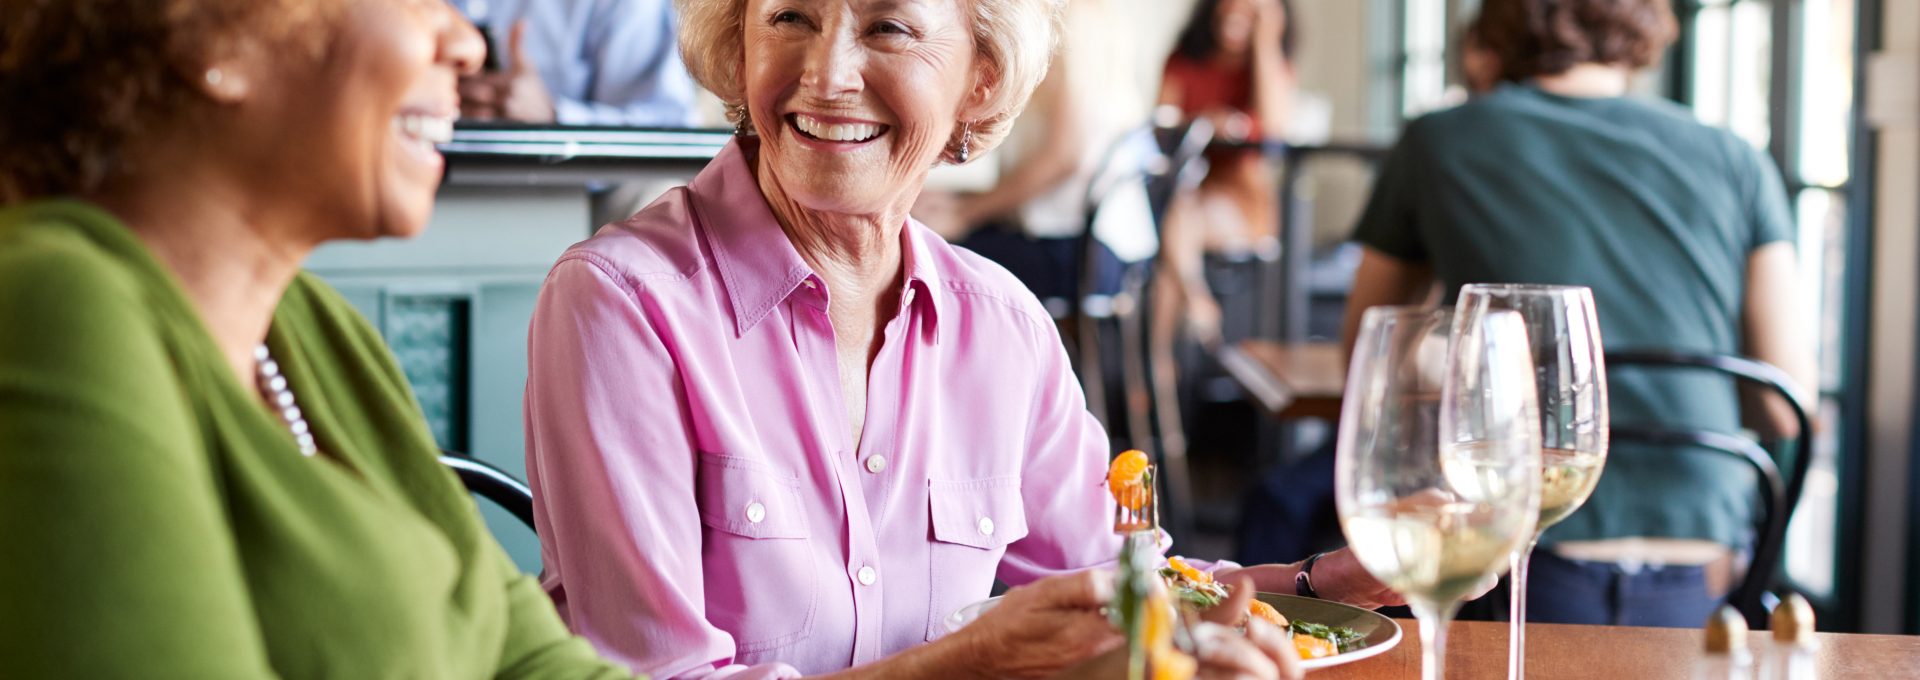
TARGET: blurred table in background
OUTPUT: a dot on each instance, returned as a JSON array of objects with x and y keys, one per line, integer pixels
[
  {"x": 1478, "y": 649},
  {"x": 1289, "y": 379}
]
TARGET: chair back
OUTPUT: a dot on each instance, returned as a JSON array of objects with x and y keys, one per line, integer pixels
[
  {"x": 493, "y": 484},
  {"x": 1779, "y": 495}
]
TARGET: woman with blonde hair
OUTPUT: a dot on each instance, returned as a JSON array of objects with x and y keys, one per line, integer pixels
[{"x": 776, "y": 427}]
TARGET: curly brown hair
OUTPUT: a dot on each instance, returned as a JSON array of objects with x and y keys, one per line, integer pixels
[
  {"x": 79, "y": 79},
  {"x": 1532, "y": 38}
]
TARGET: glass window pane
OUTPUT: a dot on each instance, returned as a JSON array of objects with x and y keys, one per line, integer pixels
[
  {"x": 1822, "y": 217},
  {"x": 1709, "y": 60},
  {"x": 1424, "y": 86},
  {"x": 1812, "y": 538},
  {"x": 1750, "y": 75},
  {"x": 1826, "y": 91}
]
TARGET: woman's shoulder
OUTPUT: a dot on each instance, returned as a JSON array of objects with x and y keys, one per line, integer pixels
[
  {"x": 659, "y": 243},
  {"x": 971, "y": 280},
  {"x": 63, "y": 260}
]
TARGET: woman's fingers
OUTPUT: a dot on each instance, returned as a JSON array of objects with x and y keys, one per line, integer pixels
[
  {"x": 1277, "y": 645},
  {"x": 1091, "y": 589},
  {"x": 1223, "y": 654},
  {"x": 1233, "y": 610}
]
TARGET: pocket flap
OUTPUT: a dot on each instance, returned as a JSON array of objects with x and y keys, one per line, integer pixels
[
  {"x": 747, "y": 498},
  {"x": 983, "y": 513}
]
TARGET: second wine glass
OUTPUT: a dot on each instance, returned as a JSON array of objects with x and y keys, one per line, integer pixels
[
  {"x": 1435, "y": 478},
  {"x": 1570, "y": 374}
]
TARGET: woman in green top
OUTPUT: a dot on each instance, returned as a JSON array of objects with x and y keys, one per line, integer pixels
[{"x": 165, "y": 510}]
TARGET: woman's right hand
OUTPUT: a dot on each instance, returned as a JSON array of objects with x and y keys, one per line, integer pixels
[{"x": 1041, "y": 628}]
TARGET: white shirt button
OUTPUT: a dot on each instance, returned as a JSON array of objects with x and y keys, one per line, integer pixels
[
  {"x": 986, "y": 526},
  {"x": 876, "y": 464},
  {"x": 867, "y": 576},
  {"x": 756, "y": 512}
]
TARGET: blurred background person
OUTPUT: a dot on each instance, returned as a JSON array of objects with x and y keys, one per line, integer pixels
[
  {"x": 1681, "y": 230},
  {"x": 578, "y": 62},
  {"x": 1233, "y": 67},
  {"x": 210, "y": 465},
  {"x": 1030, "y": 219}
]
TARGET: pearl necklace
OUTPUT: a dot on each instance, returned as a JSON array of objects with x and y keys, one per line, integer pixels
[{"x": 274, "y": 387}]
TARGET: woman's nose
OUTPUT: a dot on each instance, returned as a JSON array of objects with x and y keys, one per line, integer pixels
[
  {"x": 833, "y": 66},
  {"x": 460, "y": 43}
]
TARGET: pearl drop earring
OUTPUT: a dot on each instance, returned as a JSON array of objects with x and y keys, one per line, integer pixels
[{"x": 215, "y": 77}]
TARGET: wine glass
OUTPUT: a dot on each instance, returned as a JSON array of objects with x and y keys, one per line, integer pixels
[
  {"x": 1439, "y": 442},
  {"x": 1571, "y": 375}
]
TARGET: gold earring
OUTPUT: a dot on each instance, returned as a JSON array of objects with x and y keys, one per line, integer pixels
[{"x": 742, "y": 122}]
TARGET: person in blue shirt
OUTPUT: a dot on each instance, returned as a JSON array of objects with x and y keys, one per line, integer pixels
[{"x": 579, "y": 62}]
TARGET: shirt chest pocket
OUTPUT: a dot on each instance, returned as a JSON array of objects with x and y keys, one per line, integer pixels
[
  {"x": 973, "y": 522},
  {"x": 757, "y": 558}
]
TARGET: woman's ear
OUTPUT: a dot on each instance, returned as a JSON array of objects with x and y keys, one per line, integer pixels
[
  {"x": 230, "y": 76},
  {"x": 986, "y": 82}
]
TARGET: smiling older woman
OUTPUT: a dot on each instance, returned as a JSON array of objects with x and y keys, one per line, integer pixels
[{"x": 777, "y": 427}]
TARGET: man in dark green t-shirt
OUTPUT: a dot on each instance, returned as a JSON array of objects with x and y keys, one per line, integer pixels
[{"x": 1684, "y": 235}]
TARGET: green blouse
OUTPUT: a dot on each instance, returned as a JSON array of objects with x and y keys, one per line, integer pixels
[{"x": 158, "y": 521}]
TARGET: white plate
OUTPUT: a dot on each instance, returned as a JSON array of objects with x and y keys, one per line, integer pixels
[{"x": 1379, "y": 632}]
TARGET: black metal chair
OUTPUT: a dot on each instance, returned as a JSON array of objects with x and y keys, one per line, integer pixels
[
  {"x": 1779, "y": 496},
  {"x": 1163, "y": 161},
  {"x": 493, "y": 484}
]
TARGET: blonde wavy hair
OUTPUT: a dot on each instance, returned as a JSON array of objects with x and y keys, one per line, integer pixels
[{"x": 1016, "y": 39}]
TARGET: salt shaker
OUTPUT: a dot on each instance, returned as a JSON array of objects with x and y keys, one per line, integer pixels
[
  {"x": 1789, "y": 655},
  {"x": 1726, "y": 654}
]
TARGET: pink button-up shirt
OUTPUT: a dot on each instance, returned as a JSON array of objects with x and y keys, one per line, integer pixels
[{"x": 702, "y": 507}]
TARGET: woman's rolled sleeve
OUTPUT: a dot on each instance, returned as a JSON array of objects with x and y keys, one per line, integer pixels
[{"x": 1064, "y": 477}]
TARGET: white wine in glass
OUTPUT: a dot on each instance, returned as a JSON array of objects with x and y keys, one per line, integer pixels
[
  {"x": 1435, "y": 476},
  {"x": 1571, "y": 378}
]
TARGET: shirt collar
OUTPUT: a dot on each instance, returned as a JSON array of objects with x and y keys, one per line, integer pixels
[{"x": 758, "y": 265}]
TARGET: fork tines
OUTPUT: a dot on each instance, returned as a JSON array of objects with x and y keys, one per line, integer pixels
[{"x": 1147, "y": 518}]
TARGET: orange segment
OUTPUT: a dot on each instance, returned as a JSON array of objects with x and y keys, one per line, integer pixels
[
  {"x": 1126, "y": 479},
  {"x": 1195, "y": 575},
  {"x": 1311, "y": 647},
  {"x": 1267, "y": 613}
]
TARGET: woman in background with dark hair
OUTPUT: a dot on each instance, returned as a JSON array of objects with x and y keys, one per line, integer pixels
[
  {"x": 1556, "y": 176},
  {"x": 1233, "y": 66}
]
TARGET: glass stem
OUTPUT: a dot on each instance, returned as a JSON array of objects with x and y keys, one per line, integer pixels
[
  {"x": 1434, "y": 621},
  {"x": 1517, "y": 612}
]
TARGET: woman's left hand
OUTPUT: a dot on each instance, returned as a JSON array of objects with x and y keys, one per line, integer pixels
[{"x": 1338, "y": 576}]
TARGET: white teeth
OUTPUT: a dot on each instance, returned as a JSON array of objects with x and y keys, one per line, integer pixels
[
  {"x": 426, "y": 128},
  {"x": 845, "y": 132}
]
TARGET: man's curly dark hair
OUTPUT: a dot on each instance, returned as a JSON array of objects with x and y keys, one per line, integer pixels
[{"x": 1533, "y": 38}]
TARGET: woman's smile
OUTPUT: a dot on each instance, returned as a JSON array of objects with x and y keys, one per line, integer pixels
[{"x": 834, "y": 134}]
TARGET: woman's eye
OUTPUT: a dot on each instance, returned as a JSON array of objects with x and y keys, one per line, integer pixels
[
  {"x": 787, "y": 16},
  {"x": 889, "y": 28}
]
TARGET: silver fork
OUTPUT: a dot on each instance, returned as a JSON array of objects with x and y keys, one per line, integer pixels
[{"x": 1147, "y": 518}]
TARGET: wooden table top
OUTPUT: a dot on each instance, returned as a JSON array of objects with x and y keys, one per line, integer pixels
[
  {"x": 1478, "y": 649},
  {"x": 1289, "y": 380}
]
